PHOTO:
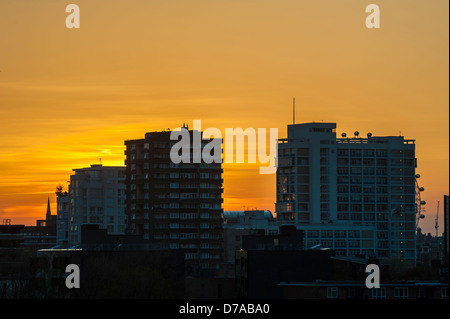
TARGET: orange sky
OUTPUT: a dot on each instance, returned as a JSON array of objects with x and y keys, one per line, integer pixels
[{"x": 69, "y": 97}]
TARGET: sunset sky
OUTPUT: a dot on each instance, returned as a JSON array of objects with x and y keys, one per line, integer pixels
[{"x": 71, "y": 96}]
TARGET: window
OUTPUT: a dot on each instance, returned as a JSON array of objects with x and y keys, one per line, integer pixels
[
  {"x": 421, "y": 293},
  {"x": 340, "y": 243},
  {"x": 379, "y": 293},
  {"x": 351, "y": 293},
  {"x": 353, "y": 234},
  {"x": 303, "y": 151},
  {"x": 401, "y": 293},
  {"x": 188, "y": 216},
  {"x": 332, "y": 292},
  {"x": 190, "y": 256},
  {"x": 188, "y": 195},
  {"x": 444, "y": 292},
  {"x": 340, "y": 234},
  {"x": 313, "y": 233},
  {"x": 327, "y": 234}
]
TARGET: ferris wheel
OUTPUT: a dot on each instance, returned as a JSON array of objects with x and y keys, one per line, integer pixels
[{"x": 419, "y": 203}]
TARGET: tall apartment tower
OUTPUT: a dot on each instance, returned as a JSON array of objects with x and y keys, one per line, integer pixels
[
  {"x": 350, "y": 182},
  {"x": 174, "y": 206},
  {"x": 97, "y": 196},
  {"x": 446, "y": 229}
]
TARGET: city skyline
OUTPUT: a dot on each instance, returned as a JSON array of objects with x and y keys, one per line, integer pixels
[
  {"x": 237, "y": 207},
  {"x": 132, "y": 69}
]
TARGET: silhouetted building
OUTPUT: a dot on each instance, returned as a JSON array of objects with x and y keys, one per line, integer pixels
[
  {"x": 95, "y": 238},
  {"x": 259, "y": 272},
  {"x": 446, "y": 230},
  {"x": 175, "y": 205},
  {"x": 14, "y": 265},
  {"x": 237, "y": 224},
  {"x": 289, "y": 238},
  {"x": 361, "y": 184},
  {"x": 349, "y": 282},
  {"x": 11, "y": 236},
  {"x": 43, "y": 235},
  {"x": 122, "y": 274},
  {"x": 252, "y": 219},
  {"x": 232, "y": 241},
  {"x": 357, "y": 290},
  {"x": 430, "y": 250}
]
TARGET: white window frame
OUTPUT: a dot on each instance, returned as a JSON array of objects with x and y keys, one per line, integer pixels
[
  {"x": 402, "y": 295},
  {"x": 444, "y": 292},
  {"x": 332, "y": 292},
  {"x": 379, "y": 293}
]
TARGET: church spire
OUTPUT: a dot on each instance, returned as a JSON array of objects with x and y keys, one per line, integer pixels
[{"x": 49, "y": 213}]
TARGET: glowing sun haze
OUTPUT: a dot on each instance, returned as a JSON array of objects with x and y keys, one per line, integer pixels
[{"x": 71, "y": 96}]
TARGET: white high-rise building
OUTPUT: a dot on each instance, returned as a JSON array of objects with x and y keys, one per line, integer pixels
[
  {"x": 97, "y": 196},
  {"x": 356, "y": 195},
  {"x": 62, "y": 219}
]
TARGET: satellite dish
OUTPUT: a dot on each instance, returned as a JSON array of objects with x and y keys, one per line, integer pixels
[
  {"x": 356, "y": 133},
  {"x": 417, "y": 175},
  {"x": 369, "y": 134},
  {"x": 421, "y": 189},
  {"x": 343, "y": 134}
]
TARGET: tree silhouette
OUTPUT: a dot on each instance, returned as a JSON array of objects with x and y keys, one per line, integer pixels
[{"x": 59, "y": 191}]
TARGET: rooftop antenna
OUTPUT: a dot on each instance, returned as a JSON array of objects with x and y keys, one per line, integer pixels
[{"x": 293, "y": 110}]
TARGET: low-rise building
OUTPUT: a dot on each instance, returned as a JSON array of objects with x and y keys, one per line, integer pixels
[{"x": 357, "y": 290}]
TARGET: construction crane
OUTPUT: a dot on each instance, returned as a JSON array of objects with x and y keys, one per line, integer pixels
[{"x": 436, "y": 224}]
